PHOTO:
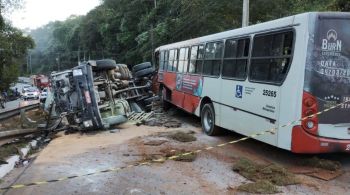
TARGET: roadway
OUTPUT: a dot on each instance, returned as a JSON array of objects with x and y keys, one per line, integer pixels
[{"x": 17, "y": 104}]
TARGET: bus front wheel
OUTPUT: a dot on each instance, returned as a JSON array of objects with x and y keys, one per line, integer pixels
[{"x": 208, "y": 120}]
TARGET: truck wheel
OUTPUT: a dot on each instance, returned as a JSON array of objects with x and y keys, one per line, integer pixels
[
  {"x": 105, "y": 64},
  {"x": 208, "y": 120},
  {"x": 142, "y": 66},
  {"x": 144, "y": 72}
]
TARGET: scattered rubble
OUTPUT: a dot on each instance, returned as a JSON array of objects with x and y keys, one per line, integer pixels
[
  {"x": 155, "y": 142},
  {"x": 263, "y": 175},
  {"x": 182, "y": 136},
  {"x": 259, "y": 187},
  {"x": 316, "y": 162},
  {"x": 172, "y": 152}
]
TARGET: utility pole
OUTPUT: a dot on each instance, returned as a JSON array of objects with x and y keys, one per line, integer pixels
[{"x": 245, "y": 16}]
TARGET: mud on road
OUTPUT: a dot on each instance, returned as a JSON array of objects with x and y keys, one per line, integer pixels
[{"x": 209, "y": 172}]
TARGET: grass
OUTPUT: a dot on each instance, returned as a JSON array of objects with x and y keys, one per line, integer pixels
[
  {"x": 321, "y": 163},
  {"x": 262, "y": 176},
  {"x": 182, "y": 136},
  {"x": 259, "y": 187}
]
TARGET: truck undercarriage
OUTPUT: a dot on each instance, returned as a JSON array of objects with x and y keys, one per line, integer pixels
[{"x": 99, "y": 94}]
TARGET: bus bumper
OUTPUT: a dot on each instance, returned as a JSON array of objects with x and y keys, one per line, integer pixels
[{"x": 303, "y": 142}]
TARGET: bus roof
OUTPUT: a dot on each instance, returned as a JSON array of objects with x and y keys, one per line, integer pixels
[{"x": 265, "y": 26}]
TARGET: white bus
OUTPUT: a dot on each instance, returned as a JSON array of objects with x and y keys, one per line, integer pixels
[{"x": 266, "y": 75}]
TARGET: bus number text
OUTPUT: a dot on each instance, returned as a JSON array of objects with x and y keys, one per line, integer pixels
[{"x": 269, "y": 93}]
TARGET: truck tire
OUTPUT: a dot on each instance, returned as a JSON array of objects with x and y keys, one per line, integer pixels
[
  {"x": 208, "y": 120},
  {"x": 105, "y": 64},
  {"x": 144, "y": 72},
  {"x": 142, "y": 66}
]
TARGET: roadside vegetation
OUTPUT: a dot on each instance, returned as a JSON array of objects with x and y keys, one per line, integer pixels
[
  {"x": 128, "y": 30},
  {"x": 14, "y": 45}
]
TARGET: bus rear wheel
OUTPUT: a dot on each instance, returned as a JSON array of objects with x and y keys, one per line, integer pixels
[{"x": 208, "y": 120}]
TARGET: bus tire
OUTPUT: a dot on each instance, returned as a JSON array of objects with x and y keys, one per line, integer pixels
[
  {"x": 144, "y": 72},
  {"x": 208, "y": 120},
  {"x": 142, "y": 66}
]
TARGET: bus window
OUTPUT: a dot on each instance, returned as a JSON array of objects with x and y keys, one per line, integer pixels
[
  {"x": 236, "y": 58},
  {"x": 166, "y": 60},
  {"x": 196, "y": 59},
  {"x": 183, "y": 60},
  {"x": 172, "y": 62},
  {"x": 271, "y": 57},
  {"x": 212, "y": 59},
  {"x": 161, "y": 61},
  {"x": 193, "y": 59},
  {"x": 176, "y": 60},
  {"x": 186, "y": 60}
]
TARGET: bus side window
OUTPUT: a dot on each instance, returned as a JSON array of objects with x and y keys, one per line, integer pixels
[
  {"x": 176, "y": 60},
  {"x": 180, "y": 67},
  {"x": 161, "y": 60},
  {"x": 236, "y": 58},
  {"x": 193, "y": 59},
  {"x": 212, "y": 59},
  {"x": 271, "y": 57},
  {"x": 196, "y": 59},
  {"x": 172, "y": 62},
  {"x": 200, "y": 59},
  {"x": 166, "y": 60},
  {"x": 186, "y": 59}
]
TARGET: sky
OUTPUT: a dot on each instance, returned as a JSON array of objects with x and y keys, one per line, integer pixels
[{"x": 37, "y": 13}]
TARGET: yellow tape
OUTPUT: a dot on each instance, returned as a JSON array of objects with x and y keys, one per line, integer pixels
[{"x": 273, "y": 130}]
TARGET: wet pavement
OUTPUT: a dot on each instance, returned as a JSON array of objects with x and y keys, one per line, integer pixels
[{"x": 210, "y": 173}]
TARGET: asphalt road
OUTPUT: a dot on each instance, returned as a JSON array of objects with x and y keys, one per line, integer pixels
[{"x": 16, "y": 104}]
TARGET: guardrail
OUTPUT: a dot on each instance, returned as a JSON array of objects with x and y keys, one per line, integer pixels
[{"x": 7, "y": 114}]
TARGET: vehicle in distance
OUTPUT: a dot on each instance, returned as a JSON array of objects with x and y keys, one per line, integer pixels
[
  {"x": 30, "y": 93},
  {"x": 267, "y": 76}
]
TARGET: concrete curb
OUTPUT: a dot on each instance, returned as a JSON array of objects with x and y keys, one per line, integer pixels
[{"x": 6, "y": 168}]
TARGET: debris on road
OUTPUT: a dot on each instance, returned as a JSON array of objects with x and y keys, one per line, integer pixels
[
  {"x": 182, "y": 136},
  {"x": 259, "y": 187},
  {"x": 316, "y": 162},
  {"x": 155, "y": 142},
  {"x": 258, "y": 173},
  {"x": 173, "y": 152}
]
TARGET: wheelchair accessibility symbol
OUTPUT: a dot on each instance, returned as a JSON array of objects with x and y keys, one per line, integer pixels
[{"x": 239, "y": 91}]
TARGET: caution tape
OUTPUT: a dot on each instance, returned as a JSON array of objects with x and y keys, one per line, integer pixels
[{"x": 271, "y": 131}]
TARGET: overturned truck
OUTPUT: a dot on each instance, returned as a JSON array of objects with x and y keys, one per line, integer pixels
[{"x": 101, "y": 93}]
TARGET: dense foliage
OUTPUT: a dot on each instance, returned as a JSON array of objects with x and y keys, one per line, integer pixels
[
  {"x": 13, "y": 47},
  {"x": 128, "y": 30}
]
